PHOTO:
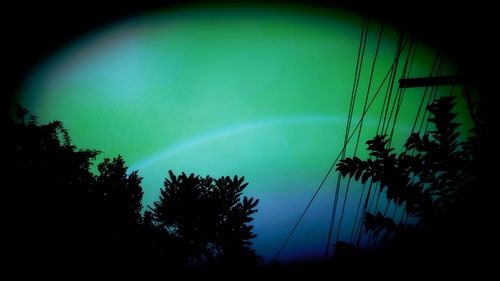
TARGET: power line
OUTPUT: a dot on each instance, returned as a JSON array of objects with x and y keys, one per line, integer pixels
[
  {"x": 399, "y": 99},
  {"x": 404, "y": 218},
  {"x": 385, "y": 105},
  {"x": 397, "y": 96},
  {"x": 387, "y": 101},
  {"x": 436, "y": 60},
  {"x": 401, "y": 91},
  {"x": 331, "y": 168},
  {"x": 360, "y": 225},
  {"x": 343, "y": 157},
  {"x": 334, "y": 162},
  {"x": 306, "y": 209},
  {"x": 391, "y": 83},
  {"x": 355, "y": 224},
  {"x": 439, "y": 72},
  {"x": 359, "y": 132},
  {"x": 357, "y": 75},
  {"x": 406, "y": 70},
  {"x": 452, "y": 89}
]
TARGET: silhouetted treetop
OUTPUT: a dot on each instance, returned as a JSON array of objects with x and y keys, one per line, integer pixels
[
  {"x": 425, "y": 179},
  {"x": 209, "y": 217},
  {"x": 61, "y": 214},
  {"x": 123, "y": 192},
  {"x": 68, "y": 215}
]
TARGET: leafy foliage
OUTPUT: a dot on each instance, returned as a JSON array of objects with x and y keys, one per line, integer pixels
[
  {"x": 209, "y": 217},
  {"x": 69, "y": 216},
  {"x": 425, "y": 178},
  {"x": 61, "y": 215},
  {"x": 118, "y": 195}
]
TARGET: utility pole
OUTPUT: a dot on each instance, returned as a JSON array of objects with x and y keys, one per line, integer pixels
[
  {"x": 441, "y": 81},
  {"x": 430, "y": 81}
]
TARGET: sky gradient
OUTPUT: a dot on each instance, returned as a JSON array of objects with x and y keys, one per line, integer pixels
[{"x": 261, "y": 92}]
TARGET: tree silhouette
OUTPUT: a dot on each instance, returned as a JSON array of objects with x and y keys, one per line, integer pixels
[
  {"x": 209, "y": 219},
  {"x": 116, "y": 197},
  {"x": 427, "y": 178},
  {"x": 115, "y": 205},
  {"x": 61, "y": 215},
  {"x": 45, "y": 183}
]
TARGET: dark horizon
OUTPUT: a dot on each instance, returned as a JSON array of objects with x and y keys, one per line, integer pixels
[{"x": 442, "y": 27}]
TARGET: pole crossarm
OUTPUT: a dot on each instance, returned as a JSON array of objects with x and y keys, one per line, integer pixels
[{"x": 430, "y": 81}]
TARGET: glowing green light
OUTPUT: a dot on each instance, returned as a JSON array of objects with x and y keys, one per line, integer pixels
[{"x": 261, "y": 93}]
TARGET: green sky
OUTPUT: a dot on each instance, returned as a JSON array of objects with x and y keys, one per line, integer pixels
[{"x": 261, "y": 92}]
